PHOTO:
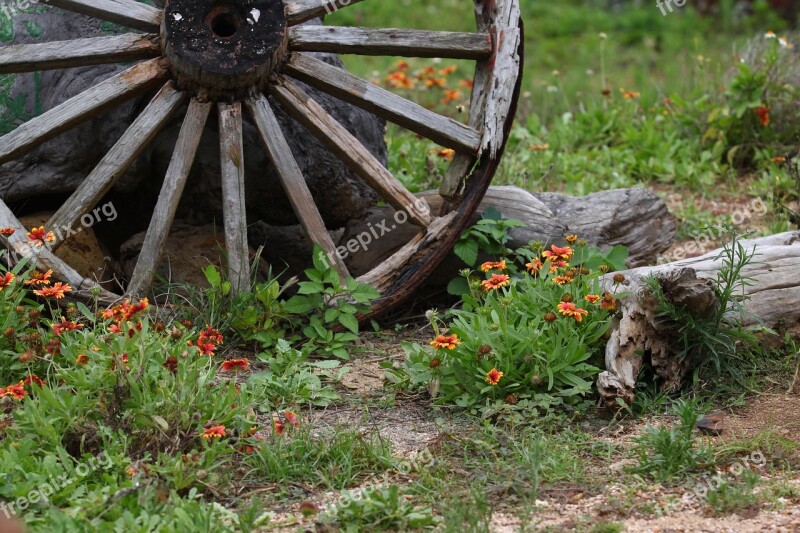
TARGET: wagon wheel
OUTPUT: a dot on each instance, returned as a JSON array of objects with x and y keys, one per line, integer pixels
[{"x": 229, "y": 56}]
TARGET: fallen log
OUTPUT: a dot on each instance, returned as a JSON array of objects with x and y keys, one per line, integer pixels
[
  {"x": 635, "y": 218},
  {"x": 638, "y": 337}
]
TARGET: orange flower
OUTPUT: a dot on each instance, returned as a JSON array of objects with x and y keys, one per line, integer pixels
[
  {"x": 493, "y": 376},
  {"x": 7, "y": 232},
  {"x": 451, "y": 95},
  {"x": 448, "y": 70},
  {"x": 539, "y": 147},
  {"x": 400, "y": 80},
  {"x": 214, "y": 432},
  {"x": 569, "y": 309},
  {"x": 57, "y": 291},
  {"x": 592, "y": 298},
  {"x": 37, "y": 278},
  {"x": 779, "y": 159},
  {"x": 446, "y": 341},
  {"x": 6, "y": 280},
  {"x": 555, "y": 252},
  {"x": 495, "y": 282},
  {"x": 561, "y": 280},
  {"x": 571, "y": 239},
  {"x": 467, "y": 84},
  {"x": 446, "y": 153},
  {"x": 435, "y": 82},
  {"x": 38, "y": 236},
  {"x": 82, "y": 359},
  {"x": 235, "y": 364},
  {"x": 762, "y": 112},
  {"x": 493, "y": 265},
  {"x": 208, "y": 340},
  {"x": 609, "y": 302},
  {"x": 65, "y": 325},
  {"x": 628, "y": 95},
  {"x": 534, "y": 266},
  {"x": 401, "y": 65}
]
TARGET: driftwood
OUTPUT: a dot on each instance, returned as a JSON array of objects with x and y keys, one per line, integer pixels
[{"x": 637, "y": 336}]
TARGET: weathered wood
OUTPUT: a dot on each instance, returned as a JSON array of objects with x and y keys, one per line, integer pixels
[
  {"x": 44, "y": 259},
  {"x": 299, "y": 11},
  {"x": 292, "y": 179},
  {"x": 386, "y": 273},
  {"x": 127, "y": 13},
  {"x": 233, "y": 204},
  {"x": 340, "y": 83},
  {"x": 77, "y": 52},
  {"x": 128, "y": 84},
  {"x": 133, "y": 142},
  {"x": 341, "y": 142},
  {"x": 174, "y": 182},
  {"x": 504, "y": 23},
  {"x": 638, "y": 335},
  {"x": 390, "y": 42}
]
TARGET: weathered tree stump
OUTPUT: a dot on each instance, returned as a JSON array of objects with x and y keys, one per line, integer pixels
[{"x": 638, "y": 336}]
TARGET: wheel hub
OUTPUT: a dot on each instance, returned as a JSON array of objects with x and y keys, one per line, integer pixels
[{"x": 218, "y": 49}]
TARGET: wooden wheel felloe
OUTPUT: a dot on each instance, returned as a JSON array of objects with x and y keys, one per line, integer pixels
[{"x": 236, "y": 59}]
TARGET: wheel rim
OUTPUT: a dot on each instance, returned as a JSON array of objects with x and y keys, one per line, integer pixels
[{"x": 216, "y": 54}]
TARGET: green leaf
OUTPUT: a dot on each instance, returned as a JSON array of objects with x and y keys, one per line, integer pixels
[
  {"x": 467, "y": 250},
  {"x": 298, "y": 305},
  {"x": 350, "y": 322},
  {"x": 161, "y": 422}
]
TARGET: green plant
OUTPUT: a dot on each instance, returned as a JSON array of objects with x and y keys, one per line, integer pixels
[
  {"x": 521, "y": 342},
  {"x": 380, "y": 508},
  {"x": 331, "y": 303},
  {"x": 733, "y": 496},
  {"x": 716, "y": 343},
  {"x": 669, "y": 453}
]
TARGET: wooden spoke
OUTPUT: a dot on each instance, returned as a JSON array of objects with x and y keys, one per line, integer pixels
[
  {"x": 299, "y": 11},
  {"x": 44, "y": 259},
  {"x": 390, "y": 42},
  {"x": 233, "y": 204},
  {"x": 292, "y": 179},
  {"x": 77, "y": 53},
  {"x": 127, "y": 13},
  {"x": 342, "y": 143},
  {"x": 174, "y": 182},
  {"x": 340, "y": 83},
  {"x": 135, "y": 139},
  {"x": 81, "y": 107}
]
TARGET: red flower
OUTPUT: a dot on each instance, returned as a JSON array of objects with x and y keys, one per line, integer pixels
[
  {"x": 171, "y": 364},
  {"x": 493, "y": 377},
  {"x": 446, "y": 341},
  {"x": 15, "y": 391},
  {"x": 592, "y": 298},
  {"x": 495, "y": 282},
  {"x": 235, "y": 364},
  {"x": 81, "y": 360},
  {"x": 287, "y": 417},
  {"x": 208, "y": 340},
  {"x": 762, "y": 112},
  {"x": 33, "y": 378},
  {"x": 38, "y": 236},
  {"x": 7, "y": 232},
  {"x": 214, "y": 432},
  {"x": 6, "y": 280},
  {"x": 65, "y": 325},
  {"x": 57, "y": 290}
]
